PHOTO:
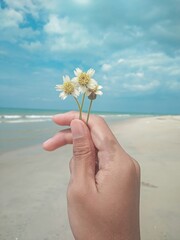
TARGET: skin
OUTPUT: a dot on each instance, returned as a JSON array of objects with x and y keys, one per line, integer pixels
[{"x": 104, "y": 188}]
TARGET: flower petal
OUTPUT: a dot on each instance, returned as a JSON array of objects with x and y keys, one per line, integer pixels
[
  {"x": 93, "y": 81},
  {"x": 99, "y": 93},
  {"x": 59, "y": 87},
  {"x": 75, "y": 80},
  {"x": 75, "y": 93},
  {"x": 88, "y": 92},
  {"x": 91, "y": 72},
  {"x": 92, "y": 84},
  {"x": 83, "y": 89},
  {"x": 63, "y": 95},
  {"x": 77, "y": 72},
  {"x": 66, "y": 78}
]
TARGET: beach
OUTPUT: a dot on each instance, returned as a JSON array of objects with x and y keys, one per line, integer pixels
[{"x": 33, "y": 182}]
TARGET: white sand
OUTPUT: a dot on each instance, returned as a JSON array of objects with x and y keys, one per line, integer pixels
[
  {"x": 33, "y": 184},
  {"x": 155, "y": 143}
]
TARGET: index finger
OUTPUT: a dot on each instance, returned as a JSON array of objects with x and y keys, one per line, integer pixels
[{"x": 101, "y": 134}]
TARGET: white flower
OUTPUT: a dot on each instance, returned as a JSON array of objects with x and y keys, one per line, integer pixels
[
  {"x": 84, "y": 79},
  {"x": 68, "y": 87},
  {"x": 93, "y": 92}
]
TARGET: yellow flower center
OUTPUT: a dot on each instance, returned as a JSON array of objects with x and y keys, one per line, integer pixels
[
  {"x": 68, "y": 87},
  {"x": 84, "y": 79}
]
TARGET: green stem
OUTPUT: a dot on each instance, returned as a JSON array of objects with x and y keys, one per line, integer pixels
[
  {"x": 80, "y": 117},
  {"x": 82, "y": 104},
  {"x": 89, "y": 110}
]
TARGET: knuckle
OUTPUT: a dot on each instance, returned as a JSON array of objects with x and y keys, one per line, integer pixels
[
  {"x": 101, "y": 119},
  {"x": 98, "y": 118},
  {"x": 138, "y": 169},
  {"x": 137, "y": 166},
  {"x": 73, "y": 113},
  {"x": 130, "y": 167},
  {"x": 82, "y": 150}
]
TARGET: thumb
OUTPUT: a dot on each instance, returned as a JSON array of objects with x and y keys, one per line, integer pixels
[{"x": 83, "y": 161}]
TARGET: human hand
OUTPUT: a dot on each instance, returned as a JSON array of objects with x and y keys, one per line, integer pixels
[{"x": 103, "y": 193}]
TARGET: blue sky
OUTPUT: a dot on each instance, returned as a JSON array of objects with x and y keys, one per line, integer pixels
[{"x": 134, "y": 46}]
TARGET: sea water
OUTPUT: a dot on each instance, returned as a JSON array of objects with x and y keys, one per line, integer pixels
[
  {"x": 21, "y": 128},
  {"x": 12, "y": 116}
]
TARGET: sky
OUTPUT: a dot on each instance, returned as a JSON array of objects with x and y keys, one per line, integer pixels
[{"x": 134, "y": 47}]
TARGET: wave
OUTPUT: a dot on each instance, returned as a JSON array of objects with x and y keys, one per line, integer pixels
[
  {"x": 38, "y": 116},
  {"x": 24, "y": 118},
  {"x": 115, "y": 115},
  {"x": 11, "y": 116},
  {"x": 32, "y": 118},
  {"x": 27, "y": 121}
]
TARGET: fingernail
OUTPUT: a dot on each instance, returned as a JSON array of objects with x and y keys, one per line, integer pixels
[
  {"x": 47, "y": 142},
  {"x": 77, "y": 129},
  {"x": 56, "y": 116}
]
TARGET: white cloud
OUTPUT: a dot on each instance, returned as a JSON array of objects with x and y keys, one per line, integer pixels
[
  {"x": 64, "y": 34},
  {"x": 135, "y": 75},
  {"x": 35, "y": 8},
  {"x": 11, "y": 29},
  {"x": 10, "y": 18},
  {"x": 174, "y": 85},
  {"x": 141, "y": 87},
  {"x": 64, "y": 44},
  {"x": 18, "y": 35},
  {"x": 53, "y": 25},
  {"x": 139, "y": 74},
  {"x": 148, "y": 60},
  {"x": 31, "y": 45},
  {"x": 82, "y": 2},
  {"x": 25, "y": 6},
  {"x": 60, "y": 25},
  {"x": 106, "y": 67},
  {"x": 175, "y": 70},
  {"x": 166, "y": 30},
  {"x": 19, "y": 4},
  {"x": 121, "y": 60}
]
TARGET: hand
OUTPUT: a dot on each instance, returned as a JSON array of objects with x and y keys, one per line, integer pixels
[{"x": 103, "y": 193}]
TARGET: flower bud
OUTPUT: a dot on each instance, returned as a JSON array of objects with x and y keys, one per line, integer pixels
[{"x": 92, "y": 96}]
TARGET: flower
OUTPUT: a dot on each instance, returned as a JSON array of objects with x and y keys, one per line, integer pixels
[
  {"x": 81, "y": 83},
  {"x": 93, "y": 92},
  {"x": 68, "y": 87},
  {"x": 84, "y": 79}
]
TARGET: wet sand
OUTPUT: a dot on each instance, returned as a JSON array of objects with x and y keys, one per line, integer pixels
[{"x": 33, "y": 183}]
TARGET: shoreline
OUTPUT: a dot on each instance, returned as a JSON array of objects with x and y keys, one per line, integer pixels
[
  {"x": 19, "y": 135},
  {"x": 33, "y": 182}
]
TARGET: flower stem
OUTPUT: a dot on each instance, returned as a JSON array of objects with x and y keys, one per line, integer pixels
[
  {"x": 89, "y": 110},
  {"x": 80, "y": 117},
  {"x": 82, "y": 104}
]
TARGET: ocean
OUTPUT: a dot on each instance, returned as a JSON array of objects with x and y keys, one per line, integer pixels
[
  {"x": 12, "y": 115},
  {"x": 21, "y": 128}
]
